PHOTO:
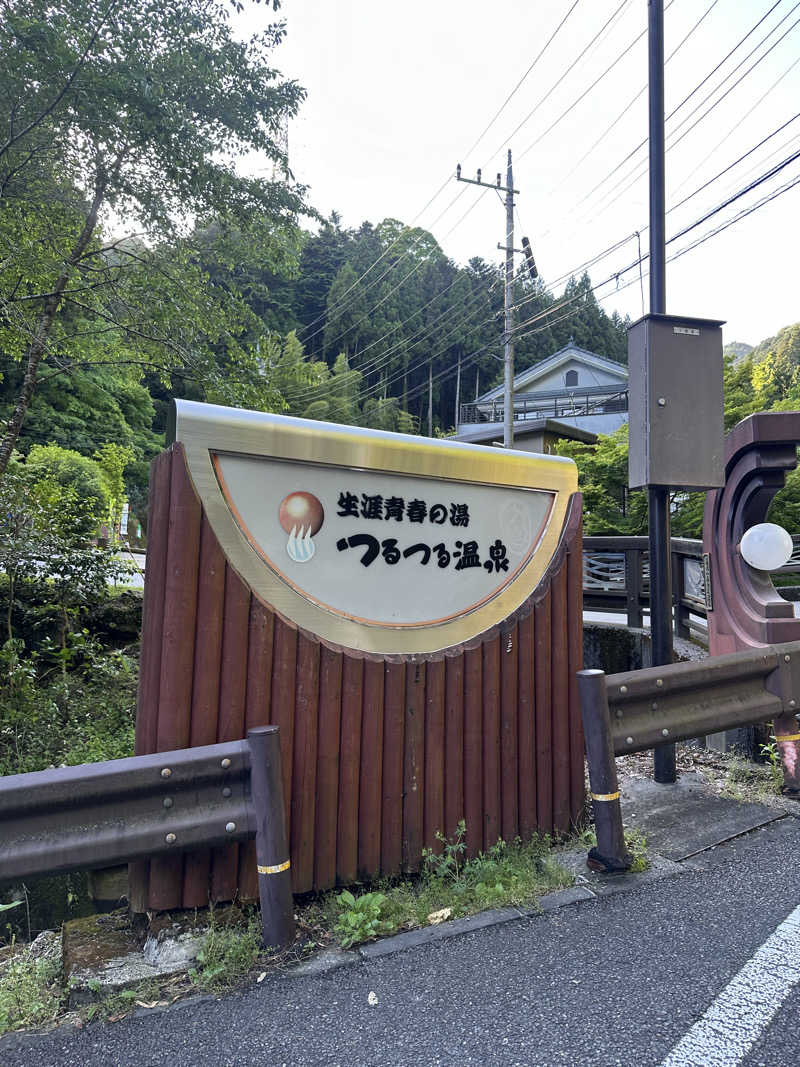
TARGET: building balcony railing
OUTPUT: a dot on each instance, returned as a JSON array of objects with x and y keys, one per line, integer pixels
[{"x": 563, "y": 403}]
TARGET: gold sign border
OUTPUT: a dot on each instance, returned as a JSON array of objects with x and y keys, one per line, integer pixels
[{"x": 205, "y": 429}]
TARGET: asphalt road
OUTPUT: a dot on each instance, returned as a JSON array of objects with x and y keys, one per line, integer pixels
[{"x": 616, "y": 980}]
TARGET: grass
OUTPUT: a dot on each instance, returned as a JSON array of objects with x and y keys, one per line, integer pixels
[
  {"x": 227, "y": 954},
  {"x": 30, "y": 992},
  {"x": 449, "y": 887},
  {"x": 752, "y": 781}
]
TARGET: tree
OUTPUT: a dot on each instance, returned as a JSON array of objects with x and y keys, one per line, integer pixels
[
  {"x": 141, "y": 110},
  {"x": 609, "y": 507},
  {"x": 74, "y": 477}
]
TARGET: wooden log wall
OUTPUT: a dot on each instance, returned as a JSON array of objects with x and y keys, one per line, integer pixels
[{"x": 379, "y": 752}]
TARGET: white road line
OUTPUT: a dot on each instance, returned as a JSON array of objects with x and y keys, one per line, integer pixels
[{"x": 746, "y": 1006}]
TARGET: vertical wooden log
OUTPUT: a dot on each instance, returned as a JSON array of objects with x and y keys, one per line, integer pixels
[
  {"x": 394, "y": 702},
  {"x": 577, "y": 786},
  {"x": 205, "y": 690},
  {"x": 259, "y": 664},
  {"x": 544, "y": 737},
  {"x": 414, "y": 766},
  {"x": 177, "y": 653},
  {"x": 370, "y": 788},
  {"x": 231, "y": 725},
  {"x": 284, "y": 677},
  {"x": 560, "y": 707},
  {"x": 257, "y": 713},
  {"x": 509, "y": 761},
  {"x": 152, "y": 627},
  {"x": 473, "y": 748},
  {"x": 304, "y": 798},
  {"x": 454, "y": 744},
  {"x": 349, "y": 767},
  {"x": 328, "y": 752},
  {"x": 526, "y": 714},
  {"x": 433, "y": 815},
  {"x": 491, "y": 741}
]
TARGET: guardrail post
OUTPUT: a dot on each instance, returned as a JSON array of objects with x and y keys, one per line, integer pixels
[
  {"x": 272, "y": 850},
  {"x": 610, "y": 856}
]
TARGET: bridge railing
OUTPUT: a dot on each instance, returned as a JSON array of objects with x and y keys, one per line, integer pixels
[{"x": 616, "y": 578}]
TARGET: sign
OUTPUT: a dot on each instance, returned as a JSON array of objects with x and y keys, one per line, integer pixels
[{"x": 381, "y": 542}]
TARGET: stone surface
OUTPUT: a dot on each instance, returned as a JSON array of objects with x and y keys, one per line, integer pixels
[
  {"x": 329, "y": 959},
  {"x": 611, "y": 648},
  {"x": 604, "y": 885},
  {"x": 686, "y": 817},
  {"x": 104, "y": 954}
]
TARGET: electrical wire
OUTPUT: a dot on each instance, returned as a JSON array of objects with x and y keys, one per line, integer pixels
[
  {"x": 508, "y": 99},
  {"x": 684, "y": 101},
  {"x": 638, "y": 95},
  {"x": 446, "y": 182}
]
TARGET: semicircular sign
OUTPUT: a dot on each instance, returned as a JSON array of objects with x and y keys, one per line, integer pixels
[{"x": 382, "y": 542}]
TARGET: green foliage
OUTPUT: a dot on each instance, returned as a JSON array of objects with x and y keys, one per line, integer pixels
[
  {"x": 447, "y": 864},
  {"x": 450, "y": 886},
  {"x": 65, "y": 706},
  {"x": 227, "y": 954},
  {"x": 360, "y": 918},
  {"x": 112, "y": 459},
  {"x": 609, "y": 507},
  {"x": 73, "y": 483},
  {"x": 99, "y": 120},
  {"x": 30, "y": 993}
]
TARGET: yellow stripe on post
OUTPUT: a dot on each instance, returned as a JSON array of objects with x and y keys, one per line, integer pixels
[{"x": 279, "y": 868}]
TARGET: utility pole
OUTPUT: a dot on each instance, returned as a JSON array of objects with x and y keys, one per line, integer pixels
[
  {"x": 430, "y": 399},
  {"x": 458, "y": 391},
  {"x": 508, "y": 316},
  {"x": 508, "y": 299},
  {"x": 658, "y": 495}
]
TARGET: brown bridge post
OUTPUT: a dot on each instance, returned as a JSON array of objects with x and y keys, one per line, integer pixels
[{"x": 747, "y": 611}]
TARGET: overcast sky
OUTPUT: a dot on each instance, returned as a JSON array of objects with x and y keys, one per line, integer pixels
[{"x": 399, "y": 93}]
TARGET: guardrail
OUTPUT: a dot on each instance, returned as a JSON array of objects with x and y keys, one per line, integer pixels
[
  {"x": 636, "y": 710},
  {"x": 101, "y": 814}
]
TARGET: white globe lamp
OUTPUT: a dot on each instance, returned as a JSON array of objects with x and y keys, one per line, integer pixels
[{"x": 766, "y": 547}]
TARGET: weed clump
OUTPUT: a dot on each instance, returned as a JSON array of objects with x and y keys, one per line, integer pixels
[
  {"x": 450, "y": 886},
  {"x": 227, "y": 954},
  {"x": 30, "y": 992}
]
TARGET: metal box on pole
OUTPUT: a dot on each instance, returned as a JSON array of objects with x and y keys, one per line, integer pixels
[{"x": 676, "y": 428}]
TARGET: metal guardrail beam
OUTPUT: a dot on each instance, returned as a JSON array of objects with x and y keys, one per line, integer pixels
[
  {"x": 101, "y": 814},
  {"x": 637, "y": 710}
]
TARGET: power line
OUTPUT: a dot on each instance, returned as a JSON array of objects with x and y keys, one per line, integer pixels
[
  {"x": 638, "y": 95},
  {"x": 745, "y": 212},
  {"x": 507, "y": 100},
  {"x": 586, "y": 91},
  {"x": 447, "y": 180},
  {"x": 684, "y": 101},
  {"x": 572, "y": 65}
]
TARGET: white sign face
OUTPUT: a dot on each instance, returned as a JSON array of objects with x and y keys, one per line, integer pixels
[{"x": 383, "y": 548}]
